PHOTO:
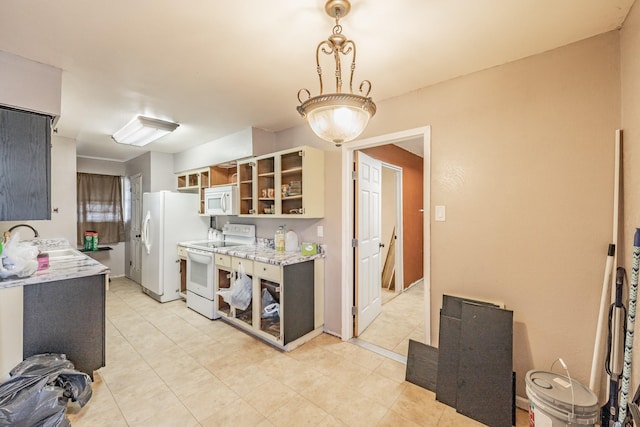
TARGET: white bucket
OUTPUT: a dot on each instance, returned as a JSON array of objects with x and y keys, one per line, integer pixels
[{"x": 557, "y": 401}]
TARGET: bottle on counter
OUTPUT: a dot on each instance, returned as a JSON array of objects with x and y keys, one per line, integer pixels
[
  {"x": 291, "y": 241},
  {"x": 278, "y": 241}
]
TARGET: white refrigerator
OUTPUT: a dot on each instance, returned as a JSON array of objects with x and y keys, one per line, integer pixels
[{"x": 168, "y": 218}]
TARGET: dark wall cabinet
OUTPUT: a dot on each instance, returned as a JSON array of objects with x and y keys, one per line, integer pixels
[{"x": 25, "y": 166}]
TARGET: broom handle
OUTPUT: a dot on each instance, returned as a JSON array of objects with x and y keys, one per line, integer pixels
[
  {"x": 631, "y": 318},
  {"x": 605, "y": 301},
  {"x": 596, "y": 363}
]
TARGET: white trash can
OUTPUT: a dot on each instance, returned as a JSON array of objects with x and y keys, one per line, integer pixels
[{"x": 552, "y": 403}]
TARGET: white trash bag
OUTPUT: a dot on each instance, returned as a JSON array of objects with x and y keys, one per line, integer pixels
[
  {"x": 239, "y": 293},
  {"x": 18, "y": 259}
]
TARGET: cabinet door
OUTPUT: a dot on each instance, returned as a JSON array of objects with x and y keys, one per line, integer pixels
[{"x": 25, "y": 156}]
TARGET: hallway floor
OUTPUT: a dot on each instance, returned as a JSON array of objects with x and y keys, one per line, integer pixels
[
  {"x": 402, "y": 318},
  {"x": 169, "y": 366}
]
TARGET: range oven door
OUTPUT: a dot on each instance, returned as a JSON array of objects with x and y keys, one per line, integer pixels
[{"x": 200, "y": 277}]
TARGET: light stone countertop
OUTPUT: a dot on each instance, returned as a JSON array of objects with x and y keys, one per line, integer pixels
[
  {"x": 59, "y": 269},
  {"x": 259, "y": 253}
]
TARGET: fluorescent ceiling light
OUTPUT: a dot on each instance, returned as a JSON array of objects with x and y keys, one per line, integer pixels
[{"x": 143, "y": 130}]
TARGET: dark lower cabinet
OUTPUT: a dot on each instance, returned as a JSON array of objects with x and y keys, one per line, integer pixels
[
  {"x": 299, "y": 293},
  {"x": 25, "y": 166},
  {"x": 68, "y": 317}
]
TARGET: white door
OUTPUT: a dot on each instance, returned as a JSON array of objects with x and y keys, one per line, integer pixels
[
  {"x": 368, "y": 233},
  {"x": 135, "y": 249}
]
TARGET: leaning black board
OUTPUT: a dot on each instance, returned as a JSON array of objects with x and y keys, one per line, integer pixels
[
  {"x": 485, "y": 372},
  {"x": 449, "y": 348},
  {"x": 448, "y": 358},
  {"x": 422, "y": 365}
]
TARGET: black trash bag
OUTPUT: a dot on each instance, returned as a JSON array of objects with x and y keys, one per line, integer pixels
[
  {"x": 47, "y": 364},
  {"x": 76, "y": 386},
  {"x": 38, "y": 392}
]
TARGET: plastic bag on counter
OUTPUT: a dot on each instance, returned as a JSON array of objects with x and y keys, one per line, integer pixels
[
  {"x": 239, "y": 293},
  {"x": 18, "y": 259},
  {"x": 270, "y": 308},
  {"x": 39, "y": 389}
]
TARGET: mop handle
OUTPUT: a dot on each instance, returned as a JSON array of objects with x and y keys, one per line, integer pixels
[{"x": 631, "y": 317}]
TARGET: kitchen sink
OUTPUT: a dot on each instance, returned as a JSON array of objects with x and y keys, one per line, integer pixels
[{"x": 64, "y": 254}]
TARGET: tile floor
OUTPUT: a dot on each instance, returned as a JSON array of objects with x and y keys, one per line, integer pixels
[
  {"x": 169, "y": 366},
  {"x": 402, "y": 318}
]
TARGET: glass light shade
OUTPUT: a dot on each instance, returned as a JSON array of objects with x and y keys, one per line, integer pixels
[
  {"x": 143, "y": 130},
  {"x": 338, "y": 123},
  {"x": 338, "y": 117}
]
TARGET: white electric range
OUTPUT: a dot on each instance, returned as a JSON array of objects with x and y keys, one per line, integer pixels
[{"x": 201, "y": 278}]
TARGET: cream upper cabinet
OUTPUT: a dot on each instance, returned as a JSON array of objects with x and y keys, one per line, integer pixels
[
  {"x": 197, "y": 180},
  {"x": 192, "y": 180},
  {"x": 288, "y": 183}
]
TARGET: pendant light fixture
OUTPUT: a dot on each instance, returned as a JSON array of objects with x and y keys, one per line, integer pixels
[{"x": 338, "y": 117}]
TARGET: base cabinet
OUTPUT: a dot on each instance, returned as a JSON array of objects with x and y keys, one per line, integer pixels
[
  {"x": 68, "y": 317},
  {"x": 283, "y": 306}
]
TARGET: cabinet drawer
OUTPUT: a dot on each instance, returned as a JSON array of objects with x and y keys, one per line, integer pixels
[
  {"x": 223, "y": 260},
  {"x": 246, "y": 263},
  {"x": 267, "y": 271},
  {"x": 182, "y": 252}
]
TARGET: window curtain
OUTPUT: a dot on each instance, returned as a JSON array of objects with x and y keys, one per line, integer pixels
[{"x": 99, "y": 201}]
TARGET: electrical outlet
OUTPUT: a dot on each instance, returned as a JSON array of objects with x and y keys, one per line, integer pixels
[{"x": 320, "y": 231}]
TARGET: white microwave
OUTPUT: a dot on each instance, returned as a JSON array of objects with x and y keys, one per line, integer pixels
[{"x": 221, "y": 200}]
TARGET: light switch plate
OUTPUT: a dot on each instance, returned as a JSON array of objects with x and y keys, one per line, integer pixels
[
  {"x": 440, "y": 214},
  {"x": 320, "y": 231}
]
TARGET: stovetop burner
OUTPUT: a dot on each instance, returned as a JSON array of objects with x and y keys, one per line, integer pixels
[
  {"x": 207, "y": 244},
  {"x": 234, "y": 235}
]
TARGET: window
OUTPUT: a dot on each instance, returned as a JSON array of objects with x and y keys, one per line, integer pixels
[{"x": 100, "y": 207}]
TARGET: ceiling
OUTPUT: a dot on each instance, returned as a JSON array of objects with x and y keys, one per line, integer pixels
[{"x": 219, "y": 67}]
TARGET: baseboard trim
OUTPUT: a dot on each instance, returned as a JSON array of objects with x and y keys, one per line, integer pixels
[
  {"x": 379, "y": 350},
  {"x": 522, "y": 403}
]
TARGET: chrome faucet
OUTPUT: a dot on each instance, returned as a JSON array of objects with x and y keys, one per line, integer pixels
[{"x": 35, "y": 232}]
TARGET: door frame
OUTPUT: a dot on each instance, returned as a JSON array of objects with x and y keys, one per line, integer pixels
[{"x": 348, "y": 227}]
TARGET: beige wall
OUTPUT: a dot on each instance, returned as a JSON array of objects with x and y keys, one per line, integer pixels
[
  {"x": 522, "y": 158},
  {"x": 630, "y": 71}
]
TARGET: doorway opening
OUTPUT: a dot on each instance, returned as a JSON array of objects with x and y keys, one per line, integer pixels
[
  {"x": 134, "y": 255},
  {"x": 420, "y": 136}
]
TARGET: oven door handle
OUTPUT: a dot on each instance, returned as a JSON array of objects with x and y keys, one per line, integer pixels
[{"x": 199, "y": 257}]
